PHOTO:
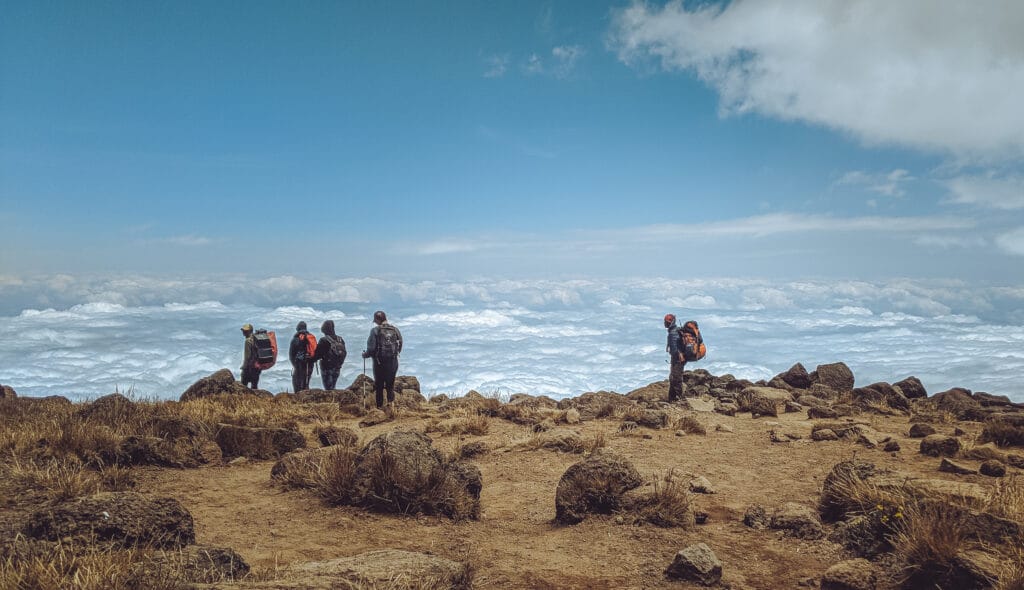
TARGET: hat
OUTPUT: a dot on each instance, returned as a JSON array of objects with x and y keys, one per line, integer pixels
[
  {"x": 300, "y": 327},
  {"x": 247, "y": 327},
  {"x": 670, "y": 319}
]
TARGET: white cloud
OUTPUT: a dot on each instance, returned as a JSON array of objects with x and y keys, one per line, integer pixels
[
  {"x": 187, "y": 240},
  {"x": 1012, "y": 241},
  {"x": 497, "y": 65},
  {"x": 991, "y": 191},
  {"x": 889, "y": 184},
  {"x": 566, "y": 57},
  {"x": 941, "y": 75},
  {"x": 452, "y": 246},
  {"x": 534, "y": 64}
]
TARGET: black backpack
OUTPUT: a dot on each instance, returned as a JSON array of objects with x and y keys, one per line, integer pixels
[
  {"x": 387, "y": 342},
  {"x": 337, "y": 353}
]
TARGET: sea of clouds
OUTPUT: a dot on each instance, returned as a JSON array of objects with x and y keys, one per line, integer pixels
[{"x": 83, "y": 337}]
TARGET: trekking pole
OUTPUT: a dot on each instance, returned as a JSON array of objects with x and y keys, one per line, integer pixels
[{"x": 364, "y": 383}]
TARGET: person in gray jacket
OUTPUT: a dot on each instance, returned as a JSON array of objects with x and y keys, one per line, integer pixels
[
  {"x": 383, "y": 345},
  {"x": 675, "y": 352}
]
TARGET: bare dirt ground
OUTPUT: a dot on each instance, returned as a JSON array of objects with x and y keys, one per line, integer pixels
[{"x": 516, "y": 544}]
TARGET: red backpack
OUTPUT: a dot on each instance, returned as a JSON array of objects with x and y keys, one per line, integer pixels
[{"x": 692, "y": 344}]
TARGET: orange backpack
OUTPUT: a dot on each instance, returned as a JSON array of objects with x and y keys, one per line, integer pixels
[
  {"x": 310, "y": 345},
  {"x": 692, "y": 343}
]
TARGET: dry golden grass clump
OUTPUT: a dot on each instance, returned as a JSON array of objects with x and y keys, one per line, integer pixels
[
  {"x": 690, "y": 425},
  {"x": 669, "y": 504},
  {"x": 1003, "y": 432},
  {"x": 86, "y": 568},
  {"x": 476, "y": 424}
]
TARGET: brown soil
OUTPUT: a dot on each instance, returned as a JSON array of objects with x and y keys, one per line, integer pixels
[{"x": 516, "y": 544}]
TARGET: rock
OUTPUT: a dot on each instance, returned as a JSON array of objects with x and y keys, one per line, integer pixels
[
  {"x": 594, "y": 485},
  {"x": 628, "y": 425},
  {"x": 958, "y": 401},
  {"x": 726, "y": 408},
  {"x": 126, "y": 519},
  {"x": 756, "y": 517},
  {"x": 572, "y": 416},
  {"x": 544, "y": 425},
  {"x": 335, "y": 435},
  {"x": 881, "y": 393},
  {"x": 912, "y": 388},
  {"x": 697, "y": 563},
  {"x": 700, "y": 405},
  {"x": 797, "y": 377},
  {"x": 1015, "y": 460},
  {"x": 374, "y": 417},
  {"x": 797, "y": 520},
  {"x": 561, "y": 439},
  {"x": 834, "y": 502},
  {"x": 891, "y": 447},
  {"x": 761, "y": 406},
  {"x": 474, "y": 449},
  {"x": 853, "y": 574},
  {"x": 821, "y": 412},
  {"x": 824, "y": 434},
  {"x": 387, "y": 568},
  {"x": 7, "y": 392},
  {"x": 992, "y": 468},
  {"x": 206, "y": 564},
  {"x": 724, "y": 428},
  {"x": 657, "y": 391},
  {"x": 392, "y": 470},
  {"x": 296, "y": 464},
  {"x": 987, "y": 400},
  {"x": 653, "y": 419},
  {"x": 836, "y": 376},
  {"x": 1004, "y": 430},
  {"x": 407, "y": 384},
  {"x": 701, "y": 485},
  {"x": 596, "y": 404},
  {"x": 778, "y": 435},
  {"x": 467, "y": 476},
  {"x": 921, "y": 430},
  {"x": 864, "y": 536},
  {"x": 109, "y": 409},
  {"x": 166, "y": 452},
  {"x": 948, "y": 466},
  {"x": 220, "y": 382},
  {"x": 257, "y": 443},
  {"x": 439, "y": 398},
  {"x": 938, "y": 445},
  {"x": 793, "y": 407}
]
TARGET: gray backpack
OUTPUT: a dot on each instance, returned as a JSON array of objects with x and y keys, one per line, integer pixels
[{"x": 388, "y": 342}]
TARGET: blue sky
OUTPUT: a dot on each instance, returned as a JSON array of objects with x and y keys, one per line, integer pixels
[{"x": 769, "y": 138}]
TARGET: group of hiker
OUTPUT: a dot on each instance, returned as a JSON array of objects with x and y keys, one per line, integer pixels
[
  {"x": 305, "y": 352},
  {"x": 384, "y": 345}
]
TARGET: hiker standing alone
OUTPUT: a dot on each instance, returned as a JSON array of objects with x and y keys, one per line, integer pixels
[
  {"x": 384, "y": 345},
  {"x": 250, "y": 372},
  {"x": 301, "y": 353},
  {"x": 674, "y": 347},
  {"x": 331, "y": 353}
]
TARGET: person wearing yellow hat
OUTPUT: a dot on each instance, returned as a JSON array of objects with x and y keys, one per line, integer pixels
[{"x": 250, "y": 372}]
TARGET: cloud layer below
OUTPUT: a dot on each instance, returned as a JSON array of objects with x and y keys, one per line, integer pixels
[{"x": 543, "y": 337}]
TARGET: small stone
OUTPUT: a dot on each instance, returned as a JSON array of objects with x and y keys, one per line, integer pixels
[
  {"x": 724, "y": 428},
  {"x": 891, "y": 447},
  {"x": 959, "y": 431},
  {"x": 948, "y": 466},
  {"x": 937, "y": 445},
  {"x": 701, "y": 485},
  {"x": 697, "y": 563},
  {"x": 700, "y": 517},
  {"x": 920, "y": 430},
  {"x": 680, "y": 433},
  {"x": 824, "y": 434},
  {"x": 853, "y": 574},
  {"x": 237, "y": 461},
  {"x": 756, "y": 517},
  {"x": 993, "y": 468}
]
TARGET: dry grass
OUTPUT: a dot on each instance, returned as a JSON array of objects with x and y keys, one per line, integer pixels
[
  {"x": 593, "y": 443},
  {"x": 477, "y": 425},
  {"x": 669, "y": 504},
  {"x": 981, "y": 453},
  {"x": 1011, "y": 575},
  {"x": 87, "y": 568},
  {"x": 690, "y": 425},
  {"x": 62, "y": 479},
  {"x": 1007, "y": 499},
  {"x": 927, "y": 543},
  {"x": 333, "y": 476},
  {"x": 1003, "y": 433}
]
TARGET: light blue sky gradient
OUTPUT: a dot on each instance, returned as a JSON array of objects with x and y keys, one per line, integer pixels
[{"x": 778, "y": 139}]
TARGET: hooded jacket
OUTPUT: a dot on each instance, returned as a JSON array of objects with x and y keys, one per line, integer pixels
[
  {"x": 323, "y": 348},
  {"x": 297, "y": 348},
  {"x": 674, "y": 343}
]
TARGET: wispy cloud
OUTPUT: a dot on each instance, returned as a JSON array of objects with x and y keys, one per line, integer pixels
[
  {"x": 989, "y": 191},
  {"x": 890, "y": 184},
  {"x": 496, "y": 66},
  {"x": 1012, "y": 241},
  {"x": 565, "y": 58},
  {"x": 866, "y": 67},
  {"x": 448, "y": 246},
  {"x": 187, "y": 240}
]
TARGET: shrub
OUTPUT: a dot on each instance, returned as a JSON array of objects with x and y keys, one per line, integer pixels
[
  {"x": 927, "y": 543},
  {"x": 87, "y": 568},
  {"x": 670, "y": 504},
  {"x": 1003, "y": 433},
  {"x": 332, "y": 477}
]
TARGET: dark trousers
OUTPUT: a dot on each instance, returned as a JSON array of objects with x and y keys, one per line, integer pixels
[
  {"x": 384, "y": 372},
  {"x": 675, "y": 380},
  {"x": 251, "y": 378},
  {"x": 329, "y": 376},
  {"x": 300, "y": 375}
]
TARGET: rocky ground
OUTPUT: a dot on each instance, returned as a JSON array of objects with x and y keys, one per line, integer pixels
[{"x": 802, "y": 481}]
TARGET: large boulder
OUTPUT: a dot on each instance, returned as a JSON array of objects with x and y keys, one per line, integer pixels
[
  {"x": 835, "y": 376},
  {"x": 220, "y": 382},
  {"x": 126, "y": 519},
  {"x": 697, "y": 563},
  {"x": 163, "y": 452},
  {"x": 257, "y": 443},
  {"x": 401, "y": 471},
  {"x": 112, "y": 410},
  {"x": 595, "y": 485},
  {"x": 912, "y": 388},
  {"x": 921, "y": 430},
  {"x": 880, "y": 393},
  {"x": 653, "y": 392},
  {"x": 797, "y": 377},
  {"x": 203, "y": 564},
  {"x": 939, "y": 445},
  {"x": 7, "y": 392},
  {"x": 958, "y": 401}
]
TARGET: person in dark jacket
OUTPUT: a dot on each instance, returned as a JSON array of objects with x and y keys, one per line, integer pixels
[
  {"x": 250, "y": 373},
  {"x": 383, "y": 345},
  {"x": 302, "y": 360},
  {"x": 678, "y": 360},
  {"x": 331, "y": 353}
]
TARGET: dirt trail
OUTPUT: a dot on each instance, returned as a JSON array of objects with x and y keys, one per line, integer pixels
[{"x": 515, "y": 543}]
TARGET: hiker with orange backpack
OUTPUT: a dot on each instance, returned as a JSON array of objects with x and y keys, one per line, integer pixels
[
  {"x": 301, "y": 352},
  {"x": 250, "y": 372},
  {"x": 684, "y": 344}
]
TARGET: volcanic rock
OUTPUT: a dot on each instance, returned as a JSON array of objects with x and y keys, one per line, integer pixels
[{"x": 594, "y": 485}]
